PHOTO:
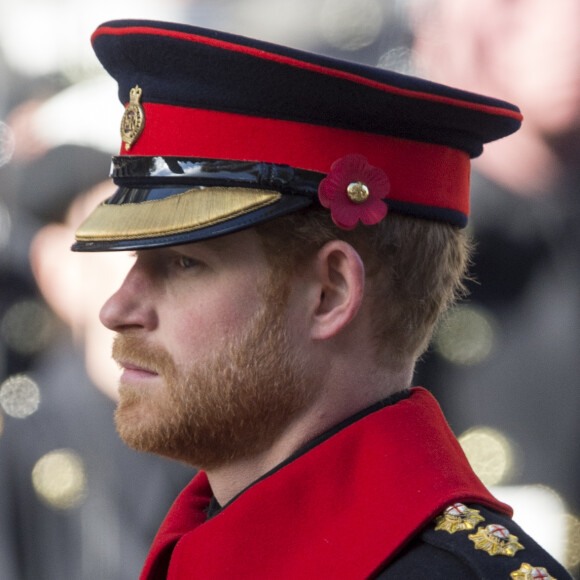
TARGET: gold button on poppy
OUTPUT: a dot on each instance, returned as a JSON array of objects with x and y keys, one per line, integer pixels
[{"x": 357, "y": 192}]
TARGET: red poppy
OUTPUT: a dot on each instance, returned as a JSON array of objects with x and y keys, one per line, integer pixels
[{"x": 354, "y": 190}]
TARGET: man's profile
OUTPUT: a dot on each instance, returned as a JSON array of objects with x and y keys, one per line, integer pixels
[{"x": 298, "y": 225}]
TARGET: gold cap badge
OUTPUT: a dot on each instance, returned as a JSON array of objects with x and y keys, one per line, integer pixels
[
  {"x": 133, "y": 120},
  {"x": 496, "y": 540},
  {"x": 458, "y": 517}
]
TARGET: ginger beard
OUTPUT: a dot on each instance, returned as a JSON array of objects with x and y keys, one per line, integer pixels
[{"x": 230, "y": 406}]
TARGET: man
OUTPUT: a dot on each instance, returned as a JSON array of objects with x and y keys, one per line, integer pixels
[{"x": 267, "y": 337}]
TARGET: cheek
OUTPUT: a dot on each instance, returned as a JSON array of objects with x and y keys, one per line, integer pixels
[{"x": 196, "y": 331}]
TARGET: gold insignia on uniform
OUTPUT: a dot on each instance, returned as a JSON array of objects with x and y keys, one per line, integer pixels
[
  {"x": 527, "y": 572},
  {"x": 457, "y": 518},
  {"x": 133, "y": 119},
  {"x": 495, "y": 540}
]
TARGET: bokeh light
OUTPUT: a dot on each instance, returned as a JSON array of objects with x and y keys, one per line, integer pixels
[
  {"x": 466, "y": 335},
  {"x": 539, "y": 510},
  {"x": 490, "y": 454},
  {"x": 59, "y": 479},
  {"x": 5, "y": 226},
  {"x": 351, "y": 24},
  {"x": 19, "y": 396},
  {"x": 7, "y": 143},
  {"x": 51, "y": 43},
  {"x": 3, "y": 360},
  {"x": 397, "y": 59},
  {"x": 27, "y": 327},
  {"x": 572, "y": 554}
]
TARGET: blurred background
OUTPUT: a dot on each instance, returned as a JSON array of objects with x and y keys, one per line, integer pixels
[{"x": 504, "y": 364}]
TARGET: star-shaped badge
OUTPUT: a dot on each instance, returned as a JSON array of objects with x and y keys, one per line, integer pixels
[
  {"x": 495, "y": 540},
  {"x": 458, "y": 517},
  {"x": 528, "y": 572}
]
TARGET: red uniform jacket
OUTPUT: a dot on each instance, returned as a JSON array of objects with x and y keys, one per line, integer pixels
[{"x": 341, "y": 510}]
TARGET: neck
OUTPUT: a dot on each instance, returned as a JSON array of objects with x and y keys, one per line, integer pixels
[{"x": 230, "y": 479}]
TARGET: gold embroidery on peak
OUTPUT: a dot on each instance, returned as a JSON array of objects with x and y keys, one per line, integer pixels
[
  {"x": 528, "y": 572},
  {"x": 133, "y": 120},
  {"x": 457, "y": 518},
  {"x": 495, "y": 540},
  {"x": 185, "y": 212}
]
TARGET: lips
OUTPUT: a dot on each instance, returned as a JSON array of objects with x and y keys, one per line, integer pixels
[{"x": 132, "y": 372}]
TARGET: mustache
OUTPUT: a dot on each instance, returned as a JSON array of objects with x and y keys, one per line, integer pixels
[{"x": 131, "y": 349}]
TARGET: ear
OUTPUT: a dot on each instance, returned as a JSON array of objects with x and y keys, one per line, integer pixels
[{"x": 340, "y": 284}]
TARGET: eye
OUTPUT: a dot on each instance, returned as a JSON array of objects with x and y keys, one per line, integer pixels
[{"x": 185, "y": 262}]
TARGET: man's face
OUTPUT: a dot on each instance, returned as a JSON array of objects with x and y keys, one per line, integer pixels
[{"x": 212, "y": 370}]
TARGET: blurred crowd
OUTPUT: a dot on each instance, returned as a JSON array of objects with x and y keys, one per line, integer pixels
[
  {"x": 74, "y": 501},
  {"x": 505, "y": 364}
]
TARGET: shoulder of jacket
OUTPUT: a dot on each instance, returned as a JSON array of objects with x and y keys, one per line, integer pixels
[{"x": 471, "y": 541}]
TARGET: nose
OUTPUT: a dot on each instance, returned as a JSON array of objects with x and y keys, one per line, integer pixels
[{"x": 132, "y": 305}]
